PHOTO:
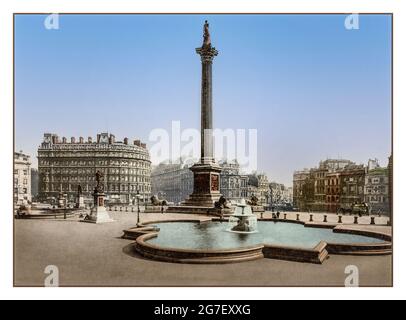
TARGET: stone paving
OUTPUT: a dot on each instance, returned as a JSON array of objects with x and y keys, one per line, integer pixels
[{"x": 95, "y": 255}]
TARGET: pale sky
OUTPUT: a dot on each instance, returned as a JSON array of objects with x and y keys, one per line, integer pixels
[{"x": 312, "y": 88}]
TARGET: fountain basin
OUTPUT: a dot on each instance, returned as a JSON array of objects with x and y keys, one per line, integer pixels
[{"x": 209, "y": 242}]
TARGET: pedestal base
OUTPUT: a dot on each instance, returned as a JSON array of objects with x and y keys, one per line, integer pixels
[
  {"x": 98, "y": 215},
  {"x": 202, "y": 200},
  {"x": 80, "y": 204},
  {"x": 199, "y": 210}
]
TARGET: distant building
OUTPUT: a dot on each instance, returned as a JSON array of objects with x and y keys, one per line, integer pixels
[
  {"x": 377, "y": 190},
  {"x": 258, "y": 185},
  {"x": 333, "y": 191},
  {"x": 233, "y": 185},
  {"x": 302, "y": 194},
  {"x": 280, "y": 194},
  {"x": 63, "y": 166},
  {"x": 335, "y": 184},
  {"x": 172, "y": 182},
  {"x": 22, "y": 178},
  {"x": 352, "y": 184},
  {"x": 326, "y": 191},
  {"x": 340, "y": 184}
]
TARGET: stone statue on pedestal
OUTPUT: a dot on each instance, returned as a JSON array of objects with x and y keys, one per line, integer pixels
[{"x": 98, "y": 214}]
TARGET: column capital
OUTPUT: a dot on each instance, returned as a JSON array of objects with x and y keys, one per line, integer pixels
[{"x": 207, "y": 54}]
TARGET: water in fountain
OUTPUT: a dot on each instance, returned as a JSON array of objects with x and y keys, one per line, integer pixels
[{"x": 243, "y": 220}]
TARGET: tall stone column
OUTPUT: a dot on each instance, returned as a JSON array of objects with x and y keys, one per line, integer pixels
[
  {"x": 207, "y": 54},
  {"x": 206, "y": 173}
]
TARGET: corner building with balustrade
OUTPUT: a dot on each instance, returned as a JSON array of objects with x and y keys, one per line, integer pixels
[{"x": 65, "y": 165}]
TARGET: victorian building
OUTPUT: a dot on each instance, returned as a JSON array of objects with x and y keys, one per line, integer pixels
[
  {"x": 234, "y": 185},
  {"x": 258, "y": 185},
  {"x": 172, "y": 182},
  {"x": 302, "y": 194},
  {"x": 352, "y": 185},
  {"x": 318, "y": 189},
  {"x": 22, "y": 178},
  {"x": 64, "y": 166},
  {"x": 377, "y": 191}
]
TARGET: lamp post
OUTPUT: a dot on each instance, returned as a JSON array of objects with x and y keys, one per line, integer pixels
[{"x": 138, "y": 196}]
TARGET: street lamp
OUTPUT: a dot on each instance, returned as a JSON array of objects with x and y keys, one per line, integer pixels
[{"x": 138, "y": 196}]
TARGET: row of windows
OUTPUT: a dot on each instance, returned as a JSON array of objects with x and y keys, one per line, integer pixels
[
  {"x": 104, "y": 170},
  {"x": 87, "y": 188},
  {"x": 138, "y": 164},
  {"x": 92, "y": 178}
]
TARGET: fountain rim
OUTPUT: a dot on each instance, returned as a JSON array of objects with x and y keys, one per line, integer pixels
[{"x": 317, "y": 255}]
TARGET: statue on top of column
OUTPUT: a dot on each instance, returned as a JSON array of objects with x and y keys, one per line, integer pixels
[{"x": 206, "y": 35}]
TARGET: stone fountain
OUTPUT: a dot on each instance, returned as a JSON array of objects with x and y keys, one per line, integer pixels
[{"x": 243, "y": 220}]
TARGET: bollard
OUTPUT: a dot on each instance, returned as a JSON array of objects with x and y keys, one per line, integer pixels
[
  {"x": 325, "y": 219},
  {"x": 311, "y": 218},
  {"x": 285, "y": 216},
  {"x": 126, "y": 209},
  {"x": 355, "y": 220},
  {"x": 340, "y": 219},
  {"x": 298, "y": 217},
  {"x": 132, "y": 209},
  {"x": 372, "y": 220}
]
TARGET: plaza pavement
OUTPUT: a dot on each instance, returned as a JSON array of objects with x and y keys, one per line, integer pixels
[{"x": 95, "y": 255}]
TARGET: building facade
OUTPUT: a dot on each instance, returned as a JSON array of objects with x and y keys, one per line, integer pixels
[
  {"x": 333, "y": 191},
  {"x": 22, "y": 178},
  {"x": 233, "y": 185},
  {"x": 64, "y": 166},
  {"x": 377, "y": 190},
  {"x": 172, "y": 182},
  {"x": 326, "y": 184},
  {"x": 352, "y": 184},
  {"x": 301, "y": 195},
  {"x": 280, "y": 194},
  {"x": 258, "y": 185}
]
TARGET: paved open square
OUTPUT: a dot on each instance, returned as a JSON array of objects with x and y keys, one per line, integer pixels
[{"x": 96, "y": 255}]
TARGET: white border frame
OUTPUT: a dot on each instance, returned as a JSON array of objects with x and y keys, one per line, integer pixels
[{"x": 8, "y": 7}]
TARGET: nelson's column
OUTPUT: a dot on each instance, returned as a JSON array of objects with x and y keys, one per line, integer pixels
[{"x": 206, "y": 172}]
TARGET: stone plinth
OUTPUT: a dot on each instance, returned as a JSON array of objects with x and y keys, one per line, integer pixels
[
  {"x": 98, "y": 214},
  {"x": 206, "y": 188}
]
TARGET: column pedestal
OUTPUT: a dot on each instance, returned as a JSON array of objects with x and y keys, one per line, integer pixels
[
  {"x": 98, "y": 213},
  {"x": 206, "y": 189}
]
